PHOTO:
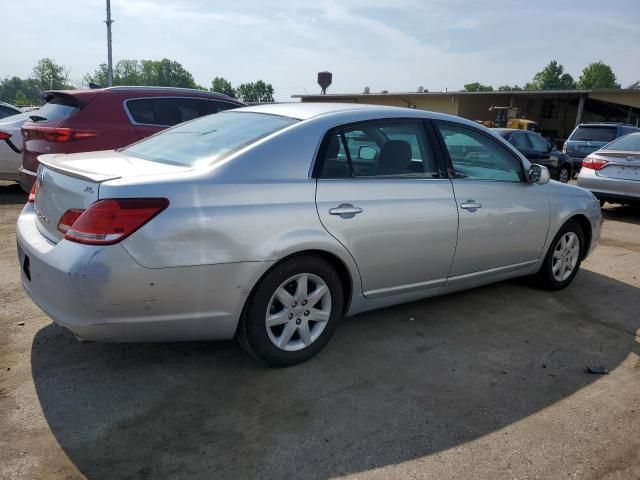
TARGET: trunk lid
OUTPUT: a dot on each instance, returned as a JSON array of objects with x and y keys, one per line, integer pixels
[
  {"x": 73, "y": 181},
  {"x": 622, "y": 165}
]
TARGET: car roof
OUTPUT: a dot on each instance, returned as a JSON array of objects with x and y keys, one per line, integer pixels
[
  {"x": 142, "y": 90},
  {"x": 308, "y": 110}
]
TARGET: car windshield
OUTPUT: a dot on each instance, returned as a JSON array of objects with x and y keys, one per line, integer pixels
[
  {"x": 628, "y": 143},
  {"x": 208, "y": 139},
  {"x": 594, "y": 134}
]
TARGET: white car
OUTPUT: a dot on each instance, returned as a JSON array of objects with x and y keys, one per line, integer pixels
[{"x": 10, "y": 145}]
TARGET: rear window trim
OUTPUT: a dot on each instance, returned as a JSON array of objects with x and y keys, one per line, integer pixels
[{"x": 132, "y": 121}]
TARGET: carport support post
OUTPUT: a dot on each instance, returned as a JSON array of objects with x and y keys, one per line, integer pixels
[
  {"x": 629, "y": 114},
  {"x": 580, "y": 110}
]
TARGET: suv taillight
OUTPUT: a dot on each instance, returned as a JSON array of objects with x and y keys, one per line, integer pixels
[
  {"x": 110, "y": 221},
  {"x": 594, "y": 163},
  {"x": 53, "y": 134}
]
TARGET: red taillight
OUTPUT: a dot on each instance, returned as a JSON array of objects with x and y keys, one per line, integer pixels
[
  {"x": 32, "y": 193},
  {"x": 594, "y": 163},
  {"x": 52, "y": 134},
  {"x": 5, "y": 136},
  {"x": 109, "y": 221},
  {"x": 69, "y": 218}
]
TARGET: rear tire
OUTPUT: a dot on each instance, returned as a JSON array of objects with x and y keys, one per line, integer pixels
[
  {"x": 292, "y": 312},
  {"x": 563, "y": 259}
]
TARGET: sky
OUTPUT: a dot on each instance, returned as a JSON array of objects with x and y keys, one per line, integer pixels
[{"x": 394, "y": 45}]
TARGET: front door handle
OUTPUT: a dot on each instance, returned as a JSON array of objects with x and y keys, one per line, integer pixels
[
  {"x": 345, "y": 210},
  {"x": 471, "y": 205}
]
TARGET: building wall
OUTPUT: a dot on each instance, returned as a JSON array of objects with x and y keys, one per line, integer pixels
[{"x": 440, "y": 103}]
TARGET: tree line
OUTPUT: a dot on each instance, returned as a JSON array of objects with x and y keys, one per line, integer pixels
[
  {"x": 596, "y": 75},
  {"x": 48, "y": 75}
]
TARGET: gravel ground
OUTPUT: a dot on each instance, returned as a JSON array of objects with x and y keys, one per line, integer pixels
[{"x": 484, "y": 384}]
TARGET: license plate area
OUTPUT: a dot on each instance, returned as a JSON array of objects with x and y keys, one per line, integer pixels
[{"x": 622, "y": 172}]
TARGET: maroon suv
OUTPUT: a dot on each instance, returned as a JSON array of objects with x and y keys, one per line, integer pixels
[{"x": 103, "y": 119}]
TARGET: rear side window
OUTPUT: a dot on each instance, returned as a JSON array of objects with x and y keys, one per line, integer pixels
[
  {"x": 6, "y": 111},
  {"x": 594, "y": 134},
  {"x": 209, "y": 139},
  {"x": 59, "y": 107},
  {"x": 168, "y": 111},
  {"x": 379, "y": 150}
]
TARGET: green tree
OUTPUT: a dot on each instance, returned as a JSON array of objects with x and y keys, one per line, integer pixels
[
  {"x": 49, "y": 75},
  {"x": 166, "y": 73},
  {"x": 477, "y": 87},
  {"x": 21, "y": 99},
  {"x": 551, "y": 77},
  {"x": 255, "y": 92},
  {"x": 635, "y": 85},
  {"x": 222, "y": 85},
  {"x": 99, "y": 77},
  {"x": 597, "y": 75},
  {"x": 509, "y": 88},
  {"x": 9, "y": 88}
]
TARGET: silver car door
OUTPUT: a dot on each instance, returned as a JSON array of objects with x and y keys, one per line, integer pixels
[
  {"x": 380, "y": 193},
  {"x": 503, "y": 219}
]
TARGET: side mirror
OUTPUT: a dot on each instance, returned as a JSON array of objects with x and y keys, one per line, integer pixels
[
  {"x": 367, "y": 153},
  {"x": 538, "y": 174},
  {"x": 549, "y": 148}
]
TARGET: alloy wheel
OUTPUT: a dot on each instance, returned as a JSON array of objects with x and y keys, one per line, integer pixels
[
  {"x": 563, "y": 176},
  {"x": 298, "y": 312},
  {"x": 565, "y": 256}
]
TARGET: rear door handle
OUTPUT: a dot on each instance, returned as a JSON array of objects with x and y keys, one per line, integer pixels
[
  {"x": 471, "y": 205},
  {"x": 345, "y": 210}
]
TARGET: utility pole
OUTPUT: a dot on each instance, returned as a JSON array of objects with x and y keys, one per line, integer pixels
[{"x": 109, "y": 58}]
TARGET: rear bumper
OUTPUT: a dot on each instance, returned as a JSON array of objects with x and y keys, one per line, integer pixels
[
  {"x": 609, "y": 189},
  {"x": 102, "y": 293}
]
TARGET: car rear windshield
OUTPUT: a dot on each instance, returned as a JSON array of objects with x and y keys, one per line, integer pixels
[
  {"x": 57, "y": 108},
  {"x": 208, "y": 139},
  {"x": 628, "y": 143},
  {"x": 594, "y": 134}
]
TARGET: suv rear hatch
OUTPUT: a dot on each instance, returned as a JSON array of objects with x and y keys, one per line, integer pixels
[
  {"x": 586, "y": 139},
  {"x": 67, "y": 182},
  {"x": 47, "y": 124}
]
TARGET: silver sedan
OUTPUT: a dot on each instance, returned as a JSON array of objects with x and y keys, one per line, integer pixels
[
  {"x": 613, "y": 172},
  {"x": 271, "y": 223}
]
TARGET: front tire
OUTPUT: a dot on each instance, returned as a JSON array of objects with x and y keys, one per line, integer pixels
[
  {"x": 564, "y": 257},
  {"x": 564, "y": 174},
  {"x": 293, "y": 312}
]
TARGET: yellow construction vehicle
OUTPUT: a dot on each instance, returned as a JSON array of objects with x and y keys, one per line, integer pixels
[{"x": 508, "y": 117}]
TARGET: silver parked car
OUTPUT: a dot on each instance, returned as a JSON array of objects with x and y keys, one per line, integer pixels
[
  {"x": 272, "y": 222},
  {"x": 613, "y": 172}
]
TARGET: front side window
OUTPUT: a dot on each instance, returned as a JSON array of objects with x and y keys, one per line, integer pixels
[
  {"x": 519, "y": 141},
  {"x": 477, "y": 156},
  {"x": 539, "y": 143},
  {"x": 393, "y": 149},
  {"x": 208, "y": 139}
]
